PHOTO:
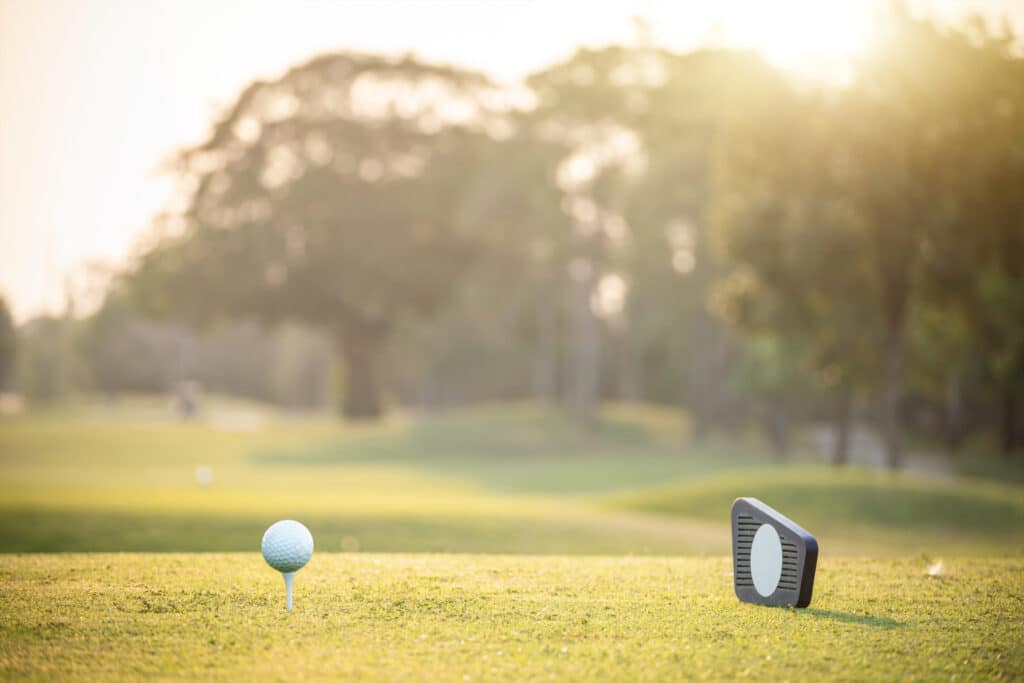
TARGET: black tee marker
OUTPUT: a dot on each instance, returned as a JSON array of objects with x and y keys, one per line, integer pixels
[{"x": 773, "y": 559}]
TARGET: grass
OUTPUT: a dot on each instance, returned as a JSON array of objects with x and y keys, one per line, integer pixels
[
  {"x": 505, "y": 479},
  {"x": 94, "y": 485},
  {"x": 496, "y": 544},
  {"x": 494, "y": 618},
  {"x": 985, "y": 465},
  {"x": 858, "y": 505}
]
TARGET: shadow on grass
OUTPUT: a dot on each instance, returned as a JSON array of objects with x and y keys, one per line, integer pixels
[{"x": 860, "y": 619}]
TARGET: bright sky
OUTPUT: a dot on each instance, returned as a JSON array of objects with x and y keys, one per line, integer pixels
[{"x": 94, "y": 94}]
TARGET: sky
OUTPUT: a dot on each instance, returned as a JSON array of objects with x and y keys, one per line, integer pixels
[{"x": 94, "y": 95}]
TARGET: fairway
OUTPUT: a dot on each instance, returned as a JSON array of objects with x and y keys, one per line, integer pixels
[
  {"x": 485, "y": 617},
  {"x": 506, "y": 479},
  {"x": 496, "y": 544}
]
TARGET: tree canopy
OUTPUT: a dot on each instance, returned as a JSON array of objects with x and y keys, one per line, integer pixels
[
  {"x": 701, "y": 229},
  {"x": 335, "y": 195}
]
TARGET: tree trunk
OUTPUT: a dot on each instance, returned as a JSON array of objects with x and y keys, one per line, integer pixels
[
  {"x": 700, "y": 391},
  {"x": 892, "y": 398},
  {"x": 585, "y": 347},
  {"x": 586, "y": 351},
  {"x": 777, "y": 424},
  {"x": 629, "y": 377},
  {"x": 844, "y": 419},
  {"x": 360, "y": 355},
  {"x": 426, "y": 393},
  {"x": 545, "y": 371},
  {"x": 1008, "y": 428},
  {"x": 954, "y": 413}
]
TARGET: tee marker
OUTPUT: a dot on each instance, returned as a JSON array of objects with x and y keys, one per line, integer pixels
[{"x": 773, "y": 559}]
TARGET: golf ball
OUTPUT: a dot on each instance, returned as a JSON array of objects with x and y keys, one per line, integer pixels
[
  {"x": 287, "y": 546},
  {"x": 204, "y": 475}
]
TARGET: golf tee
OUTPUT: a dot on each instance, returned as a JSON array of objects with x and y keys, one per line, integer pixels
[{"x": 289, "y": 579}]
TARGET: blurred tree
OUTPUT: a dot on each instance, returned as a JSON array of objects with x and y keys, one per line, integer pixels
[
  {"x": 669, "y": 262},
  {"x": 123, "y": 352},
  {"x": 638, "y": 126},
  {"x": 235, "y": 357},
  {"x": 8, "y": 346},
  {"x": 302, "y": 368},
  {"x": 945, "y": 353},
  {"x": 527, "y": 243},
  {"x": 973, "y": 258},
  {"x": 771, "y": 371},
  {"x": 881, "y": 189},
  {"x": 45, "y": 370},
  {"x": 333, "y": 196},
  {"x": 899, "y": 137},
  {"x": 510, "y": 336},
  {"x": 586, "y": 106},
  {"x": 786, "y": 224}
]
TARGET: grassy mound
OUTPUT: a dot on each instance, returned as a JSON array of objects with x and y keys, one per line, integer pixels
[{"x": 911, "y": 511}]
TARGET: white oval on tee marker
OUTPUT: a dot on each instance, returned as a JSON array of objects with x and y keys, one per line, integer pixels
[{"x": 766, "y": 560}]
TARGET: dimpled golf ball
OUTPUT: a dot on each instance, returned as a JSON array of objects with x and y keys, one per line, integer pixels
[{"x": 287, "y": 546}]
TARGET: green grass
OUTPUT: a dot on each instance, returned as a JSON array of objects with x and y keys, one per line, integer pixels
[
  {"x": 987, "y": 466},
  {"x": 850, "y": 506},
  {"x": 84, "y": 484},
  {"x": 525, "y": 449},
  {"x": 458, "y": 618},
  {"x": 571, "y": 595},
  {"x": 503, "y": 479}
]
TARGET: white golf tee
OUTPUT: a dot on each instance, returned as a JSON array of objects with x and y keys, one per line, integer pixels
[{"x": 289, "y": 579}]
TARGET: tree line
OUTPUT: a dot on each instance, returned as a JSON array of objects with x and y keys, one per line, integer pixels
[{"x": 695, "y": 229}]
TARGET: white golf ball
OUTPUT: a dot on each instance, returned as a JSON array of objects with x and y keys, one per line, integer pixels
[
  {"x": 287, "y": 546},
  {"x": 204, "y": 475}
]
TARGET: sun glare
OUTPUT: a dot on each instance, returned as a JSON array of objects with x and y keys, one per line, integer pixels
[{"x": 817, "y": 38}]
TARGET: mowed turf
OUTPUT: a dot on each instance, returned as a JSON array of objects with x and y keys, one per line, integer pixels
[
  {"x": 879, "y": 510},
  {"x": 504, "y": 479},
  {"x": 570, "y": 597},
  {"x": 116, "y": 485},
  {"x": 494, "y": 618}
]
